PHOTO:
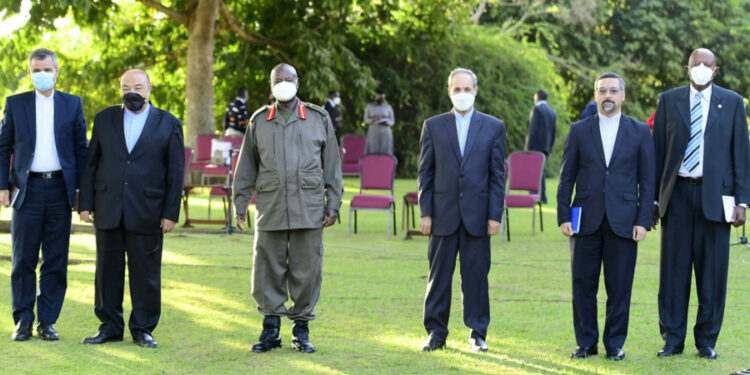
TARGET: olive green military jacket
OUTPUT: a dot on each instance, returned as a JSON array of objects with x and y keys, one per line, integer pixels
[{"x": 294, "y": 168}]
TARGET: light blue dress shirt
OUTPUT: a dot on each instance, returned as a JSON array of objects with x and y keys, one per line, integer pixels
[
  {"x": 462, "y": 128},
  {"x": 133, "y": 124}
]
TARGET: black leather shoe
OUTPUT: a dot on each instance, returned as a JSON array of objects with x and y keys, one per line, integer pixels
[
  {"x": 46, "y": 331},
  {"x": 584, "y": 352},
  {"x": 670, "y": 350},
  {"x": 101, "y": 338},
  {"x": 145, "y": 340},
  {"x": 23, "y": 331},
  {"x": 707, "y": 352},
  {"x": 434, "y": 343},
  {"x": 616, "y": 354},
  {"x": 301, "y": 337},
  {"x": 270, "y": 337},
  {"x": 477, "y": 342}
]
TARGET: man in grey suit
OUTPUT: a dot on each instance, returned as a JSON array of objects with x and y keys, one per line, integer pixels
[
  {"x": 542, "y": 129},
  {"x": 702, "y": 154}
]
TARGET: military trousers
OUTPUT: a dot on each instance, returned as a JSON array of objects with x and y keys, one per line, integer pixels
[{"x": 288, "y": 264}]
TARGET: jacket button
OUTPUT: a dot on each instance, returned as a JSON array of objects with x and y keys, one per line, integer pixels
[
  {"x": 603, "y": 190},
  {"x": 606, "y": 173}
]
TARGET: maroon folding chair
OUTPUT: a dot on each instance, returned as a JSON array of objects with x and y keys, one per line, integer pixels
[
  {"x": 377, "y": 173},
  {"x": 222, "y": 191},
  {"x": 202, "y": 151},
  {"x": 410, "y": 200},
  {"x": 354, "y": 148},
  {"x": 235, "y": 141},
  {"x": 525, "y": 173}
]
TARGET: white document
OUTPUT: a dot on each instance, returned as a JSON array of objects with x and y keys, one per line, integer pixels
[{"x": 728, "y": 203}]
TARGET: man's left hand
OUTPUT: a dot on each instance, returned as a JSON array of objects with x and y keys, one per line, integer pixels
[
  {"x": 739, "y": 216},
  {"x": 330, "y": 218},
  {"x": 167, "y": 225},
  {"x": 639, "y": 233},
  {"x": 493, "y": 227}
]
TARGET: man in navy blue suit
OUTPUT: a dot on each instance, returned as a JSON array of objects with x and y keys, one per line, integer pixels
[
  {"x": 609, "y": 158},
  {"x": 45, "y": 132},
  {"x": 131, "y": 189},
  {"x": 461, "y": 198},
  {"x": 702, "y": 154},
  {"x": 540, "y": 135}
]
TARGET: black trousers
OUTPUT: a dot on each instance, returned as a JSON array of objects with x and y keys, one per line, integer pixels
[
  {"x": 475, "y": 266},
  {"x": 144, "y": 270},
  {"x": 43, "y": 220},
  {"x": 618, "y": 255},
  {"x": 691, "y": 242}
]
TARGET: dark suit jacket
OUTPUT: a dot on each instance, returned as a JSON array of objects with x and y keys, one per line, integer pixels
[
  {"x": 18, "y": 138},
  {"x": 623, "y": 191},
  {"x": 726, "y": 153},
  {"x": 542, "y": 129},
  {"x": 140, "y": 187},
  {"x": 469, "y": 188}
]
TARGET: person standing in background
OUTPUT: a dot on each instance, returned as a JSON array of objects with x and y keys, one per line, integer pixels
[
  {"x": 334, "y": 112},
  {"x": 235, "y": 120},
  {"x": 541, "y": 132},
  {"x": 379, "y": 118}
]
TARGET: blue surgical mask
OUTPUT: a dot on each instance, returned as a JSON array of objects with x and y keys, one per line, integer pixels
[{"x": 43, "y": 81}]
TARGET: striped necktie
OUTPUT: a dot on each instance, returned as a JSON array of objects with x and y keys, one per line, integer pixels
[{"x": 692, "y": 153}]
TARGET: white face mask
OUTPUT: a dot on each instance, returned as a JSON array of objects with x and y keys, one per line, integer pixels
[
  {"x": 463, "y": 101},
  {"x": 284, "y": 91},
  {"x": 337, "y": 100},
  {"x": 701, "y": 74}
]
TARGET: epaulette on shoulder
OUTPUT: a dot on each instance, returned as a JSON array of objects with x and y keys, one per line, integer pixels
[
  {"x": 317, "y": 108},
  {"x": 259, "y": 111}
]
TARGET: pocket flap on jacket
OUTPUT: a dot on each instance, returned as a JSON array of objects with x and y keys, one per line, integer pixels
[
  {"x": 153, "y": 193},
  {"x": 267, "y": 182},
  {"x": 312, "y": 180},
  {"x": 100, "y": 186}
]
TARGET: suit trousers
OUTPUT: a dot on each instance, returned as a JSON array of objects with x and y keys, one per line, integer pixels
[
  {"x": 691, "y": 242},
  {"x": 475, "y": 257},
  {"x": 144, "y": 252},
  {"x": 288, "y": 263},
  {"x": 43, "y": 220},
  {"x": 587, "y": 255}
]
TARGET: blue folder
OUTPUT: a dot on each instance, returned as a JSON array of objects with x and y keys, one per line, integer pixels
[{"x": 575, "y": 218}]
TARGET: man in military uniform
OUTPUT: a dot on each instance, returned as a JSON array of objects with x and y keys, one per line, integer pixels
[
  {"x": 290, "y": 159},
  {"x": 235, "y": 120}
]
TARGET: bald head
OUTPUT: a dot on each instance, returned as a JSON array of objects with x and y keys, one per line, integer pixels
[
  {"x": 701, "y": 61},
  {"x": 137, "y": 81},
  {"x": 283, "y": 72}
]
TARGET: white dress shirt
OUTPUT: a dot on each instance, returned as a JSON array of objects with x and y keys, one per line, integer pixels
[
  {"x": 133, "y": 124},
  {"x": 608, "y": 127},
  {"x": 45, "y": 157},
  {"x": 462, "y": 128},
  {"x": 705, "y": 105}
]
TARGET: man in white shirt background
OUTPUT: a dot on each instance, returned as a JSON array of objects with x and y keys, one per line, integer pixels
[{"x": 45, "y": 132}]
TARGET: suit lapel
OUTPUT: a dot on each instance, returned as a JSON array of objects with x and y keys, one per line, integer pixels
[
  {"x": 31, "y": 115},
  {"x": 714, "y": 111},
  {"x": 622, "y": 129},
  {"x": 148, "y": 128},
  {"x": 597, "y": 135},
  {"x": 118, "y": 121},
  {"x": 683, "y": 106},
  {"x": 57, "y": 122},
  {"x": 453, "y": 135},
  {"x": 475, "y": 127}
]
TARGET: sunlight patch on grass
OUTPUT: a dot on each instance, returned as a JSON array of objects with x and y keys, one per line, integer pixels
[
  {"x": 206, "y": 306},
  {"x": 308, "y": 367},
  {"x": 120, "y": 353}
]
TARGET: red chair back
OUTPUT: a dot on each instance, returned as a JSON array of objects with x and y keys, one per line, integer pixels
[
  {"x": 203, "y": 146},
  {"x": 526, "y": 170},
  {"x": 377, "y": 172},
  {"x": 188, "y": 161},
  {"x": 355, "y": 146},
  {"x": 235, "y": 141}
]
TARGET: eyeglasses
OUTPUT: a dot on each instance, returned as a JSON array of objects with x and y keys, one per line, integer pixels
[{"x": 613, "y": 91}]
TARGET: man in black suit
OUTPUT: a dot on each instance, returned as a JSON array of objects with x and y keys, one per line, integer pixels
[
  {"x": 702, "y": 154},
  {"x": 542, "y": 129},
  {"x": 334, "y": 112},
  {"x": 461, "y": 198},
  {"x": 131, "y": 190},
  {"x": 45, "y": 132},
  {"x": 609, "y": 158}
]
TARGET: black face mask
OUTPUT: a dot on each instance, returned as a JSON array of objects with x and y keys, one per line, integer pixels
[
  {"x": 379, "y": 101},
  {"x": 133, "y": 101}
]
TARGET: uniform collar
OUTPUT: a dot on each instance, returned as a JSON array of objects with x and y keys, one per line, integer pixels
[{"x": 300, "y": 111}]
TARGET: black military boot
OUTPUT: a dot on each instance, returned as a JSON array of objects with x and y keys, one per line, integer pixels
[
  {"x": 270, "y": 337},
  {"x": 301, "y": 337}
]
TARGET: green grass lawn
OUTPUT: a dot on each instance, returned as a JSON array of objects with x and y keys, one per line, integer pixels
[{"x": 369, "y": 314}]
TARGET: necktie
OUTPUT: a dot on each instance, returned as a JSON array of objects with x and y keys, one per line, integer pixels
[{"x": 692, "y": 153}]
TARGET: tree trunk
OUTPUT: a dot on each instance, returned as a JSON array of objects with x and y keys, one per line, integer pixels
[{"x": 200, "y": 71}]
